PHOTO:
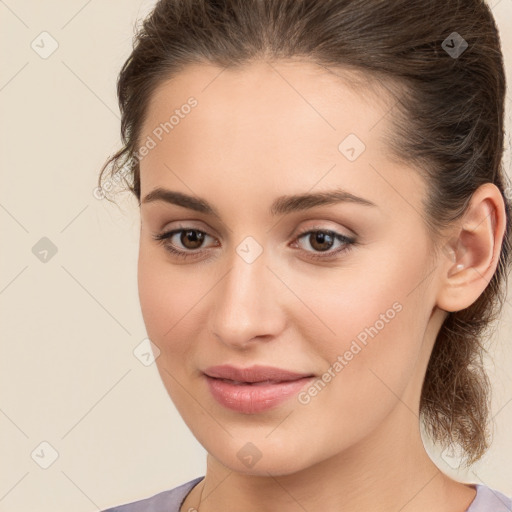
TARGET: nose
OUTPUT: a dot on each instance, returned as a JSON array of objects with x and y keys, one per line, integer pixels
[{"x": 246, "y": 304}]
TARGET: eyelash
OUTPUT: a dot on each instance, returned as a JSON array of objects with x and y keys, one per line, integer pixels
[{"x": 326, "y": 255}]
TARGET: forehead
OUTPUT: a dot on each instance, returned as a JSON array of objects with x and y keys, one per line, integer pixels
[
  {"x": 275, "y": 123},
  {"x": 268, "y": 90}
]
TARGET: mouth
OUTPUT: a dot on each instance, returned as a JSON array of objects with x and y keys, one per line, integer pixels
[
  {"x": 254, "y": 394},
  {"x": 259, "y": 383},
  {"x": 254, "y": 374}
]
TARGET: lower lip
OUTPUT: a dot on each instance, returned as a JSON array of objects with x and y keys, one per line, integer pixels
[{"x": 253, "y": 398}]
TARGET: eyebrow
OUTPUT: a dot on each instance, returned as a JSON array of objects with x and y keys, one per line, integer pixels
[{"x": 281, "y": 206}]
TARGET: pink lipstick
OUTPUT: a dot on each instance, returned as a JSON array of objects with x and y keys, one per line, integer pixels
[{"x": 254, "y": 389}]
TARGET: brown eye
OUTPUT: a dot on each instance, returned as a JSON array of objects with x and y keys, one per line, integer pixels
[
  {"x": 321, "y": 240},
  {"x": 192, "y": 239},
  {"x": 183, "y": 243},
  {"x": 324, "y": 243}
]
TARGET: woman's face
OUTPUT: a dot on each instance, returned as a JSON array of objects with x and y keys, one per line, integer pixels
[{"x": 340, "y": 290}]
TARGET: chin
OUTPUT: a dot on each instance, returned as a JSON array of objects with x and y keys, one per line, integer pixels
[
  {"x": 259, "y": 458},
  {"x": 276, "y": 466}
]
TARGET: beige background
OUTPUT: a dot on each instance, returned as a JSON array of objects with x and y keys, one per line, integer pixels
[{"x": 70, "y": 325}]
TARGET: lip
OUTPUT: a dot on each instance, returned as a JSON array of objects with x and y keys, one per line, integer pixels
[
  {"x": 255, "y": 389},
  {"x": 256, "y": 373}
]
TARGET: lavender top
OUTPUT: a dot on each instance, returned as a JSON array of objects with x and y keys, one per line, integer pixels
[{"x": 486, "y": 500}]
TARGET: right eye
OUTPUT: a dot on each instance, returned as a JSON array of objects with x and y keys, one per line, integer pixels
[{"x": 190, "y": 239}]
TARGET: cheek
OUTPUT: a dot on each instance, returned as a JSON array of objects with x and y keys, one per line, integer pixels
[
  {"x": 372, "y": 331},
  {"x": 168, "y": 297},
  {"x": 369, "y": 305}
]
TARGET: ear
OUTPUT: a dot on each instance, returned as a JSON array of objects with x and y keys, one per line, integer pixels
[{"x": 472, "y": 253}]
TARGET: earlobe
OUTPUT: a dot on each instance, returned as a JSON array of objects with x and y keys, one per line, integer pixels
[{"x": 473, "y": 250}]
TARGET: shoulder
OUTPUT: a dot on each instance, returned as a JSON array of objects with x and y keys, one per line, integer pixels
[
  {"x": 489, "y": 500},
  {"x": 166, "y": 501}
]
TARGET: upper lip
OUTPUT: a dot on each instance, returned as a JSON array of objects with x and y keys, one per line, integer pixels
[{"x": 256, "y": 373}]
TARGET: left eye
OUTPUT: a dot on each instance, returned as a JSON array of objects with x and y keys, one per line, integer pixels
[{"x": 321, "y": 242}]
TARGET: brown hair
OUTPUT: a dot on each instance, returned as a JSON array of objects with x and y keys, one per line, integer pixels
[{"x": 448, "y": 122}]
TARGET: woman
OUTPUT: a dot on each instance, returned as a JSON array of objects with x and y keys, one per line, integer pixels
[{"x": 324, "y": 239}]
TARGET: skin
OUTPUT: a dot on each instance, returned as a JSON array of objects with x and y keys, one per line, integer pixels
[{"x": 272, "y": 129}]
